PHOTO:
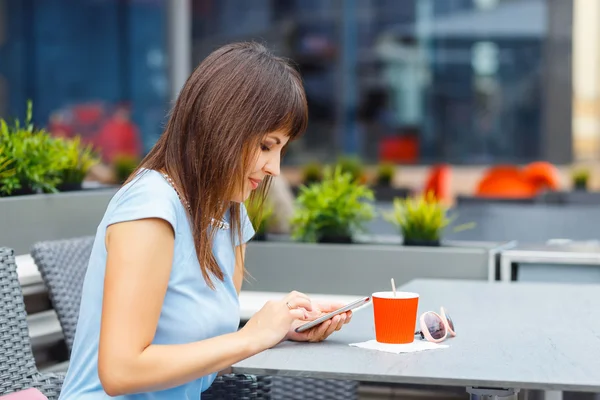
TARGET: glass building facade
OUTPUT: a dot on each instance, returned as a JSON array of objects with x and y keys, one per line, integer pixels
[{"x": 410, "y": 81}]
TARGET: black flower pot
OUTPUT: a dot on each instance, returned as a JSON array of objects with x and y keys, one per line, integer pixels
[
  {"x": 388, "y": 193},
  {"x": 261, "y": 237},
  {"x": 335, "y": 239},
  {"x": 420, "y": 242},
  {"x": 69, "y": 186},
  {"x": 24, "y": 191}
]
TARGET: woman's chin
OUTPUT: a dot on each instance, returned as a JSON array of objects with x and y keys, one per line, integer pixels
[{"x": 242, "y": 197}]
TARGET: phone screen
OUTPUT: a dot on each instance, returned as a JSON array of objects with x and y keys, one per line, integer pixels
[{"x": 320, "y": 320}]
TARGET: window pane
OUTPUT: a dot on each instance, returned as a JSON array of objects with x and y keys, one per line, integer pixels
[{"x": 92, "y": 68}]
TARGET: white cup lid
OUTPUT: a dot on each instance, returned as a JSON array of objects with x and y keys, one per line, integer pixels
[{"x": 399, "y": 295}]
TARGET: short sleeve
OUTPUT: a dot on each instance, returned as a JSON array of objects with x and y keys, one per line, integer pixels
[
  {"x": 147, "y": 196},
  {"x": 246, "y": 226}
]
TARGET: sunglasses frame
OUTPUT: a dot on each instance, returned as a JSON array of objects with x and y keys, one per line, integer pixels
[{"x": 424, "y": 332}]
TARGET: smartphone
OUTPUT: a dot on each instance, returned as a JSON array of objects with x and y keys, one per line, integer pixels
[{"x": 348, "y": 307}]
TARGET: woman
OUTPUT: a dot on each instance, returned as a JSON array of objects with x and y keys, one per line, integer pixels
[{"x": 159, "y": 311}]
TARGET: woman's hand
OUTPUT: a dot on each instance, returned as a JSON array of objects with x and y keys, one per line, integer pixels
[
  {"x": 323, "y": 330},
  {"x": 273, "y": 322}
]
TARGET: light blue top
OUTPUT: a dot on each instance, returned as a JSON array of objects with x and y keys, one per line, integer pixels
[{"x": 191, "y": 310}]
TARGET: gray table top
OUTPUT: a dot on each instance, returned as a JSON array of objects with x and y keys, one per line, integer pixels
[
  {"x": 572, "y": 248},
  {"x": 528, "y": 336}
]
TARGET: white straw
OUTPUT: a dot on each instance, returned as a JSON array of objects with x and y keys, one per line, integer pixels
[{"x": 393, "y": 287}]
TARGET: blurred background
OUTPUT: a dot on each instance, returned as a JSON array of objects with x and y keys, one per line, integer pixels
[
  {"x": 414, "y": 82},
  {"x": 491, "y": 107}
]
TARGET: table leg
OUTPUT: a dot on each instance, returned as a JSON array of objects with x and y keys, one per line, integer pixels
[
  {"x": 483, "y": 393},
  {"x": 552, "y": 395},
  {"x": 505, "y": 269}
]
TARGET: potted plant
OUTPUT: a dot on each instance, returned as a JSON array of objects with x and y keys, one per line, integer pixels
[
  {"x": 6, "y": 164},
  {"x": 421, "y": 220},
  {"x": 260, "y": 214},
  {"x": 385, "y": 174},
  {"x": 31, "y": 151},
  {"x": 124, "y": 165},
  {"x": 384, "y": 191},
  {"x": 312, "y": 172},
  {"x": 332, "y": 210},
  {"x": 352, "y": 165},
  {"x": 76, "y": 159},
  {"x": 580, "y": 179}
]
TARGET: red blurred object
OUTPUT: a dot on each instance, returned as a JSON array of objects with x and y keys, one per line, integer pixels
[
  {"x": 438, "y": 182},
  {"x": 108, "y": 128},
  {"x": 399, "y": 149},
  {"x": 118, "y": 137}
]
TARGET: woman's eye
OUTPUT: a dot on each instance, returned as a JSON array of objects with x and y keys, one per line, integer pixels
[{"x": 264, "y": 147}]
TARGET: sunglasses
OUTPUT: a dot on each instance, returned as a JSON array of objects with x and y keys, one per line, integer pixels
[{"x": 436, "y": 327}]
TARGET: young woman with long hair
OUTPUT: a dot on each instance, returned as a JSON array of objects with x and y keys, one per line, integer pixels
[{"x": 159, "y": 312}]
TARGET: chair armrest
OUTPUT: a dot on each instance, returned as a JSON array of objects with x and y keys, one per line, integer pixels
[
  {"x": 233, "y": 387},
  {"x": 49, "y": 384}
]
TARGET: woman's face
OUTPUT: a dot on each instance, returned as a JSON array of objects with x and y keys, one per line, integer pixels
[{"x": 265, "y": 163}]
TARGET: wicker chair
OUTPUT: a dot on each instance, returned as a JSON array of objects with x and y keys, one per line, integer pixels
[
  {"x": 17, "y": 365},
  {"x": 63, "y": 263}
]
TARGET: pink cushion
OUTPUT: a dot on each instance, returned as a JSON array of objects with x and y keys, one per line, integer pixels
[{"x": 27, "y": 394}]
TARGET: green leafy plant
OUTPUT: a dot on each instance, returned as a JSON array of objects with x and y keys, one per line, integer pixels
[
  {"x": 336, "y": 207},
  {"x": 75, "y": 160},
  {"x": 124, "y": 166},
  {"x": 32, "y": 158},
  {"x": 352, "y": 165},
  {"x": 580, "y": 178},
  {"x": 311, "y": 173},
  {"x": 260, "y": 213},
  {"x": 422, "y": 219},
  {"x": 6, "y": 164},
  {"x": 385, "y": 174}
]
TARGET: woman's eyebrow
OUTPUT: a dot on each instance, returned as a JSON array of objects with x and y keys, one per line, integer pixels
[{"x": 276, "y": 139}]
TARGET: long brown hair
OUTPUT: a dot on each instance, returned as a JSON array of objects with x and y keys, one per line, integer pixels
[{"x": 237, "y": 95}]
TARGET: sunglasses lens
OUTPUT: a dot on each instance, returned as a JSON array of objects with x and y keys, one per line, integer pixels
[
  {"x": 435, "y": 326},
  {"x": 450, "y": 322}
]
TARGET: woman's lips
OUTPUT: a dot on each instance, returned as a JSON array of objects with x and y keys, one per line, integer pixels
[{"x": 254, "y": 183}]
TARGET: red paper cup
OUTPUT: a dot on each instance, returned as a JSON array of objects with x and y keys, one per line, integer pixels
[{"x": 395, "y": 317}]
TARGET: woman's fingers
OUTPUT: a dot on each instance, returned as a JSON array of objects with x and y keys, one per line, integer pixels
[
  {"x": 341, "y": 322},
  {"x": 298, "y": 300},
  {"x": 298, "y": 313},
  {"x": 320, "y": 332},
  {"x": 349, "y": 316}
]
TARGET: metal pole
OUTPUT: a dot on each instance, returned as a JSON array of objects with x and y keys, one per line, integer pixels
[
  {"x": 349, "y": 59},
  {"x": 179, "y": 43}
]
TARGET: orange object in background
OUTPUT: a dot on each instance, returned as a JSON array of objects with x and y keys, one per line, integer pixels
[
  {"x": 515, "y": 187},
  {"x": 509, "y": 181},
  {"x": 438, "y": 183},
  {"x": 543, "y": 175}
]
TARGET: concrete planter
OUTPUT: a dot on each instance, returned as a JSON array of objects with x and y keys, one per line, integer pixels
[
  {"x": 25, "y": 220},
  {"x": 363, "y": 268}
]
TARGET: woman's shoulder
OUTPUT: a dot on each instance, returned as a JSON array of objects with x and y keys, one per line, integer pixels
[
  {"x": 147, "y": 185},
  {"x": 147, "y": 195}
]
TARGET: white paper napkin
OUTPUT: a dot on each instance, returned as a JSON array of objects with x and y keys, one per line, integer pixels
[{"x": 417, "y": 345}]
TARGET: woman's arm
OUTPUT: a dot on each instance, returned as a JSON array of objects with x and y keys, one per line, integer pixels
[{"x": 140, "y": 255}]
